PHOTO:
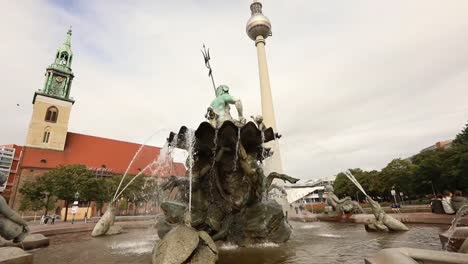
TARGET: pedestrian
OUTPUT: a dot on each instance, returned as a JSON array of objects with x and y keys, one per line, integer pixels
[
  {"x": 447, "y": 203},
  {"x": 42, "y": 220},
  {"x": 46, "y": 219},
  {"x": 54, "y": 216},
  {"x": 86, "y": 217},
  {"x": 436, "y": 204},
  {"x": 458, "y": 200}
]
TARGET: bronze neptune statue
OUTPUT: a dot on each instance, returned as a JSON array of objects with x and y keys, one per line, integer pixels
[{"x": 229, "y": 199}]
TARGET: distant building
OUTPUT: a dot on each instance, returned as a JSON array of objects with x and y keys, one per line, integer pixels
[
  {"x": 50, "y": 144},
  {"x": 310, "y": 191},
  {"x": 440, "y": 145},
  {"x": 10, "y": 156}
]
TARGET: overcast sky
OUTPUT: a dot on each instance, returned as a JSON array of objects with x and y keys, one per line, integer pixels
[{"x": 355, "y": 83}]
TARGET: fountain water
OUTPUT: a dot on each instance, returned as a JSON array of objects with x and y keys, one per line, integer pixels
[
  {"x": 453, "y": 239},
  {"x": 107, "y": 220},
  {"x": 236, "y": 157},
  {"x": 190, "y": 160},
  {"x": 133, "y": 160}
]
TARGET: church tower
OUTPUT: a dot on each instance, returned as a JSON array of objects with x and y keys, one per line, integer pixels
[{"x": 52, "y": 104}]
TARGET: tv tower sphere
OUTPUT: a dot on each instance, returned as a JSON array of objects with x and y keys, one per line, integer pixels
[{"x": 258, "y": 24}]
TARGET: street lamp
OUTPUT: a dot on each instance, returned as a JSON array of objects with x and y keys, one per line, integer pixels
[
  {"x": 394, "y": 193},
  {"x": 75, "y": 206},
  {"x": 47, "y": 196}
]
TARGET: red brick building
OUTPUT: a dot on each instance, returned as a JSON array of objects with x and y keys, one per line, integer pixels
[{"x": 50, "y": 144}]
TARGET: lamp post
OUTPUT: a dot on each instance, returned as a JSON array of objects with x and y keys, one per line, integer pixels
[
  {"x": 394, "y": 193},
  {"x": 47, "y": 197},
  {"x": 75, "y": 206}
]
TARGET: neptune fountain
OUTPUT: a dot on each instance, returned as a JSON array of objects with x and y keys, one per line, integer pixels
[{"x": 225, "y": 194}]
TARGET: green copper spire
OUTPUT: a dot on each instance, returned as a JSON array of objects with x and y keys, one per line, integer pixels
[
  {"x": 59, "y": 74},
  {"x": 66, "y": 46}
]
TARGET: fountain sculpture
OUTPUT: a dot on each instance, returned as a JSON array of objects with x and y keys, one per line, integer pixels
[
  {"x": 341, "y": 206},
  {"x": 12, "y": 226},
  {"x": 227, "y": 194},
  {"x": 382, "y": 222}
]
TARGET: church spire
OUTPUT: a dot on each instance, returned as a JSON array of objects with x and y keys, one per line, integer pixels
[
  {"x": 64, "y": 53},
  {"x": 59, "y": 74},
  {"x": 68, "y": 38}
]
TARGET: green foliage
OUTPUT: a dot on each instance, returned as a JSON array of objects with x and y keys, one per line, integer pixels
[
  {"x": 35, "y": 195},
  {"x": 462, "y": 138},
  {"x": 60, "y": 183},
  {"x": 425, "y": 173}
]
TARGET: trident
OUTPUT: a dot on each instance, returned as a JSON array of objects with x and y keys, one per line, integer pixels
[{"x": 206, "y": 56}]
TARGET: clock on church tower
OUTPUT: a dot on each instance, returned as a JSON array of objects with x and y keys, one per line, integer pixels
[{"x": 52, "y": 104}]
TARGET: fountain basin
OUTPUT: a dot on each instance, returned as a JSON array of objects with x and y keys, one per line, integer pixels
[
  {"x": 458, "y": 237},
  {"x": 14, "y": 255},
  {"x": 415, "y": 256}
]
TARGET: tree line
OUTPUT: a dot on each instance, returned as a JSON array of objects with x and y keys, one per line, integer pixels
[
  {"x": 76, "y": 182},
  {"x": 426, "y": 173}
]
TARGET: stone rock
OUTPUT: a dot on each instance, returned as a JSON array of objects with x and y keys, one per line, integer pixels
[
  {"x": 14, "y": 255},
  {"x": 176, "y": 246},
  {"x": 163, "y": 226},
  {"x": 208, "y": 241},
  {"x": 204, "y": 255},
  {"x": 114, "y": 230}
]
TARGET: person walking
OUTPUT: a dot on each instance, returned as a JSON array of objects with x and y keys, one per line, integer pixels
[
  {"x": 54, "y": 216},
  {"x": 458, "y": 200},
  {"x": 447, "y": 203}
]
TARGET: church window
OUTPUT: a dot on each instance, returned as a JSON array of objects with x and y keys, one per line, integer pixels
[
  {"x": 46, "y": 137},
  {"x": 51, "y": 114}
]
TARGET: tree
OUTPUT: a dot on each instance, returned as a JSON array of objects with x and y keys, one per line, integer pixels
[
  {"x": 37, "y": 195},
  {"x": 397, "y": 174},
  {"x": 462, "y": 138}
]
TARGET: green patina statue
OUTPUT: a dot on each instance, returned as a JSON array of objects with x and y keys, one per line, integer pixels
[{"x": 219, "y": 110}]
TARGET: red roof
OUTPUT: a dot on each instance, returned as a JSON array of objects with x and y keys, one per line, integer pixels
[{"x": 97, "y": 152}]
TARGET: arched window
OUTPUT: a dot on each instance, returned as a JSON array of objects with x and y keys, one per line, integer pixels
[
  {"x": 46, "y": 137},
  {"x": 51, "y": 114},
  {"x": 64, "y": 58}
]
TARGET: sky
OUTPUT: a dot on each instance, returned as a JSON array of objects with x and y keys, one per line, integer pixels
[{"x": 355, "y": 83}]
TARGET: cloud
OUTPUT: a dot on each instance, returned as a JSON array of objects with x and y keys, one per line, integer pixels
[{"x": 355, "y": 84}]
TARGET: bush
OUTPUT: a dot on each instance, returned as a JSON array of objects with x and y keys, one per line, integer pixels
[{"x": 316, "y": 208}]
